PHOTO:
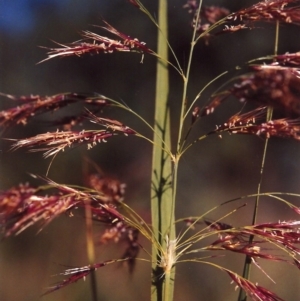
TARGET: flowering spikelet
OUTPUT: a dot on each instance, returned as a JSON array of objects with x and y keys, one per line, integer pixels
[
  {"x": 29, "y": 106},
  {"x": 93, "y": 43},
  {"x": 113, "y": 193},
  {"x": 285, "y": 234},
  {"x": 254, "y": 291},
  {"x": 53, "y": 143},
  {"x": 76, "y": 274},
  {"x": 252, "y": 123},
  {"x": 286, "y": 11},
  {"x": 208, "y": 15},
  {"x": 12, "y": 202},
  {"x": 288, "y": 59},
  {"x": 121, "y": 231},
  {"x": 112, "y": 188},
  {"x": 24, "y": 206},
  {"x": 113, "y": 125},
  {"x": 275, "y": 87}
]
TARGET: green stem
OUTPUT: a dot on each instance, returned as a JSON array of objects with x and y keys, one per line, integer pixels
[
  {"x": 186, "y": 80},
  {"x": 90, "y": 248},
  {"x": 162, "y": 209},
  {"x": 276, "y": 38},
  {"x": 248, "y": 261}
]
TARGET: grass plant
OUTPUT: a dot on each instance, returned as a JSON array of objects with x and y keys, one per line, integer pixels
[{"x": 267, "y": 92}]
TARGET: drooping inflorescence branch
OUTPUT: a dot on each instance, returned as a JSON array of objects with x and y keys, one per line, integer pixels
[
  {"x": 253, "y": 123},
  {"x": 266, "y": 86},
  {"x": 75, "y": 274},
  {"x": 54, "y": 142},
  {"x": 26, "y": 107},
  {"x": 276, "y": 88},
  {"x": 286, "y": 11},
  {"x": 283, "y": 11},
  {"x": 254, "y": 291},
  {"x": 288, "y": 59},
  {"x": 209, "y": 15},
  {"x": 24, "y": 205},
  {"x": 284, "y": 234},
  {"x": 93, "y": 43}
]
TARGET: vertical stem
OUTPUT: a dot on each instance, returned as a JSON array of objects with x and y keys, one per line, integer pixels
[
  {"x": 186, "y": 80},
  {"x": 276, "y": 38},
  {"x": 162, "y": 209},
  {"x": 247, "y": 264},
  {"x": 90, "y": 247}
]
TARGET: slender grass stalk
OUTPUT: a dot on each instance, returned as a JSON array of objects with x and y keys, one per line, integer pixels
[
  {"x": 90, "y": 249},
  {"x": 248, "y": 261},
  {"x": 161, "y": 194},
  {"x": 185, "y": 84}
]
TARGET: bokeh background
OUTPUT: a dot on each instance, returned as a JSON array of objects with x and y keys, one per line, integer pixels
[{"x": 213, "y": 171}]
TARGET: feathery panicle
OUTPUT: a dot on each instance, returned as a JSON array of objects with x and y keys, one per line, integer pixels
[
  {"x": 77, "y": 274},
  {"x": 121, "y": 231},
  {"x": 252, "y": 123},
  {"x": 54, "y": 142},
  {"x": 209, "y": 15},
  {"x": 114, "y": 233},
  {"x": 106, "y": 213},
  {"x": 288, "y": 59},
  {"x": 243, "y": 120},
  {"x": 12, "y": 203},
  {"x": 133, "y": 44},
  {"x": 214, "y": 103},
  {"x": 284, "y": 61},
  {"x": 275, "y": 87},
  {"x": 285, "y": 235},
  {"x": 254, "y": 291},
  {"x": 24, "y": 205},
  {"x": 113, "y": 189},
  {"x": 285, "y": 11},
  {"x": 110, "y": 124},
  {"x": 30, "y": 106},
  {"x": 93, "y": 43}
]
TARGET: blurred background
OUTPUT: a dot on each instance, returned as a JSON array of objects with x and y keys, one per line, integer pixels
[{"x": 212, "y": 172}]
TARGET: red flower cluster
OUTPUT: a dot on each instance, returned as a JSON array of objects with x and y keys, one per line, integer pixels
[
  {"x": 30, "y": 106},
  {"x": 94, "y": 44}
]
